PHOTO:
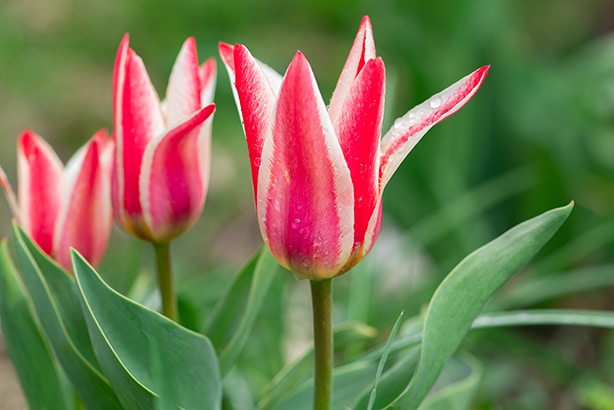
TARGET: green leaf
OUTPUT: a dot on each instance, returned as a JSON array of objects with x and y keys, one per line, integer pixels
[
  {"x": 382, "y": 362},
  {"x": 348, "y": 381},
  {"x": 559, "y": 317},
  {"x": 126, "y": 336},
  {"x": 293, "y": 377},
  {"x": 456, "y": 386},
  {"x": 55, "y": 299},
  {"x": 33, "y": 361},
  {"x": 536, "y": 290},
  {"x": 464, "y": 292},
  {"x": 236, "y": 312}
]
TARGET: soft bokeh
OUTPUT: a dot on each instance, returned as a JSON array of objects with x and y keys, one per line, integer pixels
[{"x": 539, "y": 134}]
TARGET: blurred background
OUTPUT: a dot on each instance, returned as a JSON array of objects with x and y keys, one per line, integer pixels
[{"x": 539, "y": 134}]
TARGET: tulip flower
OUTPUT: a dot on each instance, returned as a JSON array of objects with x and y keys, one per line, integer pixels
[
  {"x": 162, "y": 155},
  {"x": 318, "y": 173},
  {"x": 63, "y": 207}
]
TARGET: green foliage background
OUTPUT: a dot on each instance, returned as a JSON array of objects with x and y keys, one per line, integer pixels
[{"x": 538, "y": 134}]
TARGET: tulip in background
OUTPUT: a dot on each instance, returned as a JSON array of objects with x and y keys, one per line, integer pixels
[
  {"x": 63, "y": 207},
  {"x": 318, "y": 173},
  {"x": 162, "y": 155}
]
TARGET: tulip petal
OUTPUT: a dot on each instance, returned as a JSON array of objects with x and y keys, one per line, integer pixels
[
  {"x": 362, "y": 51},
  {"x": 409, "y": 129},
  {"x": 137, "y": 121},
  {"x": 207, "y": 74},
  {"x": 358, "y": 128},
  {"x": 85, "y": 219},
  {"x": 184, "y": 86},
  {"x": 305, "y": 195},
  {"x": 39, "y": 172},
  {"x": 255, "y": 87},
  {"x": 172, "y": 191}
]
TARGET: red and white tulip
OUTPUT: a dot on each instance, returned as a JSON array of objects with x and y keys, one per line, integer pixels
[
  {"x": 63, "y": 207},
  {"x": 162, "y": 156},
  {"x": 318, "y": 173}
]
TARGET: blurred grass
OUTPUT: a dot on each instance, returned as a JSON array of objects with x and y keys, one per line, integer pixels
[{"x": 538, "y": 134}]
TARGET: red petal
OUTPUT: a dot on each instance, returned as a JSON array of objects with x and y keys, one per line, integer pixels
[
  {"x": 358, "y": 128},
  {"x": 362, "y": 51},
  {"x": 305, "y": 195},
  {"x": 257, "y": 103},
  {"x": 40, "y": 174},
  {"x": 137, "y": 121},
  {"x": 184, "y": 86},
  {"x": 173, "y": 190},
  {"x": 85, "y": 220},
  {"x": 409, "y": 129}
]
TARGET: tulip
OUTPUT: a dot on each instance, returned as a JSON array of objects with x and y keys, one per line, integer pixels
[
  {"x": 318, "y": 173},
  {"x": 162, "y": 155},
  {"x": 63, "y": 207}
]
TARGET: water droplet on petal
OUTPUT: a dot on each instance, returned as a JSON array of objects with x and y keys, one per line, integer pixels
[
  {"x": 296, "y": 222},
  {"x": 435, "y": 102}
]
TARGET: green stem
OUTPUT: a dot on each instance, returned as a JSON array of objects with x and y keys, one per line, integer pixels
[
  {"x": 321, "y": 301},
  {"x": 165, "y": 280}
]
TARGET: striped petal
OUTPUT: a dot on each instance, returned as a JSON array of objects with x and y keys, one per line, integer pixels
[
  {"x": 184, "y": 87},
  {"x": 137, "y": 121},
  {"x": 207, "y": 73},
  {"x": 172, "y": 190},
  {"x": 362, "y": 51},
  {"x": 256, "y": 100},
  {"x": 409, "y": 129},
  {"x": 39, "y": 172},
  {"x": 358, "y": 128},
  {"x": 85, "y": 219},
  {"x": 305, "y": 195}
]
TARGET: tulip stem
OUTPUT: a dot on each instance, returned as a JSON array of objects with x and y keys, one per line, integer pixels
[
  {"x": 165, "y": 280},
  {"x": 321, "y": 301}
]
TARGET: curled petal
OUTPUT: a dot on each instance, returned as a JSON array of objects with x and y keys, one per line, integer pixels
[
  {"x": 409, "y": 129},
  {"x": 39, "y": 172},
  {"x": 184, "y": 86},
  {"x": 306, "y": 216},
  {"x": 85, "y": 219},
  {"x": 358, "y": 128},
  {"x": 362, "y": 51},
  {"x": 172, "y": 191},
  {"x": 137, "y": 121}
]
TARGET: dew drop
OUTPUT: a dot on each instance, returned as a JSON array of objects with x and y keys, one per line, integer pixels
[
  {"x": 362, "y": 167},
  {"x": 435, "y": 102},
  {"x": 296, "y": 222}
]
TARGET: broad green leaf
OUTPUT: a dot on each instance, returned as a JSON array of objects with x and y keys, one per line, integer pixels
[
  {"x": 456, "y": 386},
  {"x": 463, "y": 293},
  {"x": 55, "y": 299},
  {"x": 33, "y": 361},
  {"x": 127, "y": 335},
  {"x": 237, "y": 311}
]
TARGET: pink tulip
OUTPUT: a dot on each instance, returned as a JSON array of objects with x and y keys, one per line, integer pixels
[
  {"x": 62, "y": 207},
  {"x": 162, "y": 156},
  {"x": 318, "y": 173}
]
